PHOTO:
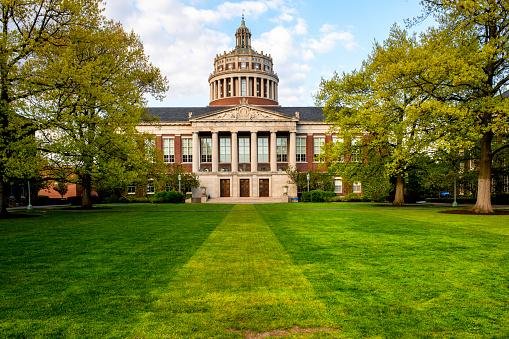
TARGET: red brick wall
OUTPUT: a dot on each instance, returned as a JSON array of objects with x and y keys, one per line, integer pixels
[
  {"x": 178, "y": 149},
  {"x": 310, "y": 152}
]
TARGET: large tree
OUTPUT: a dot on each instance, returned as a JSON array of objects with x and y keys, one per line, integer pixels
[
  {"x": 389, "y": 117},
  {"x": 26, "y": 28},
  {"x": 464, "y": 66},
  {"x": 101, "y": 75}
]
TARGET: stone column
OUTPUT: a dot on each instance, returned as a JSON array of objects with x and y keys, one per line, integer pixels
[
  {"x": 224, "y": 88},
  {"x": 232, "y": 88},
  {"x": 196, "y": 152},
  {"x": 262, "y": 88},
  {"x": 239, "y": 86},
  {"x": 292, "y": 150},
  {"x": 254, "y": 152},
  {"x": 235, "y": 152},
  {"x": 273, "y": 159},
  {"x": 215, "y": 152}
]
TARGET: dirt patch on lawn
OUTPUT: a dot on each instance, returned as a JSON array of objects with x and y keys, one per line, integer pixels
[
  {"x": 469, "y": 211},
  {"x": 286, "y": 332}
]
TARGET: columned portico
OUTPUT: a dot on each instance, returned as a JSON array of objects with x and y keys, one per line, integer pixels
[
  {"x": 254, "y": 152},
  {"x": 215, "y": 152}
]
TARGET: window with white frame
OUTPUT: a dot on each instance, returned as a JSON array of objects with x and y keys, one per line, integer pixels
[
  {"x": 206, "y": 149},
  {"x": 318, "y": 143},
  {"x": 301, "y": 149},
  {"x": 263, "y": 149},
  {"x": 225, "y": 150},
  {"x": 338, "y": 185},
  {"x": 187, "y": 150},
  {"x": 168, "y": 150},
  {"x": 131, "y": 189},
  {"x": 150, "y": 187},
  {"x": 357, "y": 187},
  {"x": 150, "y": 147},
  {"x": 356, "y": 150},
  {"x": 244, "y": 150},
  {"x": 281, "y": 149}
]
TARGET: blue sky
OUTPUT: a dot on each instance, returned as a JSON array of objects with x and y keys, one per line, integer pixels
[{"x": 308, "y": 40}]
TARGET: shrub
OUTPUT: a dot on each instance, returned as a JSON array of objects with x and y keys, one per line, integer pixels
[
  {"x": 354, "y": 197},
  {"x": 168, "y": 197},
  {"x": 317, "y": 196}
]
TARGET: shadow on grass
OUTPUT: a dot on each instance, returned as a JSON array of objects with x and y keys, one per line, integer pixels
[{"x": 470, "y": 212}]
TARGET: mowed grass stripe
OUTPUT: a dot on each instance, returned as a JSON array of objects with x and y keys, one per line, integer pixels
[{"x": 240, "y": 280}]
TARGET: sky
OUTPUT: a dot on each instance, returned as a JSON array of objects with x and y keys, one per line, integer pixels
[{"x": 307, "y": 39}]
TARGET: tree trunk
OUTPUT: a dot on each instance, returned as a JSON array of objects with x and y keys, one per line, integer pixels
[
  {"x": 86, "y": 199},
  {"x": 4, "y": 200},
  {"x": 483, "y": 203},
  {"x": 399, "y": 198}
]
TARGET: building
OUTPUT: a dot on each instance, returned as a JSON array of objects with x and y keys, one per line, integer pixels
[{"x": 241, "y": 144}]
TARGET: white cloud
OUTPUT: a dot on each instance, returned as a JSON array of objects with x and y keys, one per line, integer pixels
[{"x": 182, "y": 38}]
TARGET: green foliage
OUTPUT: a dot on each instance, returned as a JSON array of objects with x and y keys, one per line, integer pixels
[
  {"x": 317, "y": 196},
  {"x": 168, "y": 197},
  {"x": 102, "y": 74},
  {"x": 317, "y": 180},
  {"x": 354, "y": 197}
]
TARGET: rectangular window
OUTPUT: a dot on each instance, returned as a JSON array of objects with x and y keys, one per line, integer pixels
[
  {"x": 357, "y": 187},
  {"x": 338, "y": 185},
  {"x": 206, "y": 149},
  {"x": 150, "y": 148},
  {"x": 244, "y": 150},
  {"x": 263, "y": 149},
  {"x": 225, "y": 150},
  {"x": 356, "y": 150},
  {"x": 281, "y": 149},
  {"x": 318, "y": 143},
  {"x": 169, "y": 150},
  {"x": 187, "y": 150},
  {"x": 131, "y": 189},
  {"x": 243, "y": 87},
  {"x": 301, "y": 149},
  {"x": 150, "y": 187}
]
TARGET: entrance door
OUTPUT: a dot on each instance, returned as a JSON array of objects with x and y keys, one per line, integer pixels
[
  {"x": 244, "y": 187},
  {"x": 224, "y": 187},
  {"x": 263, "y": 188}
]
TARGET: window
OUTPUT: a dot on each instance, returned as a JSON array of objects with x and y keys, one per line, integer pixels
[
  {"x": 150, "y": 146},
  {"x": 338, "y": 185},
  {"x": 131, "y": 189},
  {"x": 336, "y": 142},
  {"x": 357, "y": 188},
  {"x": 281, "y": 149},
  {"x": 187, "y": 150},
  {"x": 356, "y": 150},
  {"x": 206, "y": 149},
  {"x": 225, "y": 150},
  {"x": 318, "y": 143},
  {"x": 244, "y": 150},
  {"x": 301, "y": 149},
  {"x": 150, "y": 187},
  {"x": 263, "y": 149},
  {"x": 168, "y": 150},
  {"x": 243, "y": 87}
]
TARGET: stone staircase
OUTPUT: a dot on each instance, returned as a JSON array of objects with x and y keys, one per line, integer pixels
[{"x": 248, "y": 200}]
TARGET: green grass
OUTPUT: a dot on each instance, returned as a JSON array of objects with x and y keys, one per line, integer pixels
[{"x": 339, "y": 269}]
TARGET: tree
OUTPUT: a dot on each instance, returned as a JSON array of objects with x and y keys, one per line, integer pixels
[
  {"x": 27, "y": 27},
  {"x": 463, "y": 65},
  {"x": 372, "y": 105},
  {"x": 101, "y": 75}
]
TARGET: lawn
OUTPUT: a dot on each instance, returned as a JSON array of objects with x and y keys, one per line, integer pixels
[{"x": 336, "y": 270}]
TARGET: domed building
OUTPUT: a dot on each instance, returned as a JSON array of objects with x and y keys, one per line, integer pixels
[{"x": 242, "y": 143}]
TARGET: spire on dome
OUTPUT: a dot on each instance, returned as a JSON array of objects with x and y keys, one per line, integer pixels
[{"x": 243, "y": 35}]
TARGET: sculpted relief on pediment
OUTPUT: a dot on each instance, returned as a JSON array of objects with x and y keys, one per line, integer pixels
[{"x": 244, "y": 113}]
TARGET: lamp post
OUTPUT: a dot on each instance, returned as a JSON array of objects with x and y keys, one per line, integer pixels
[
  {"x": 29, "y": 206},
  {"x": 179, "y": 178},
  {"x": 454, "y": 203},
  {"x": 307, "y": 178}
]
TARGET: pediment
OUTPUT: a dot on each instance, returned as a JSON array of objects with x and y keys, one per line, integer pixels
[{"x": 244, "y": 113}]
